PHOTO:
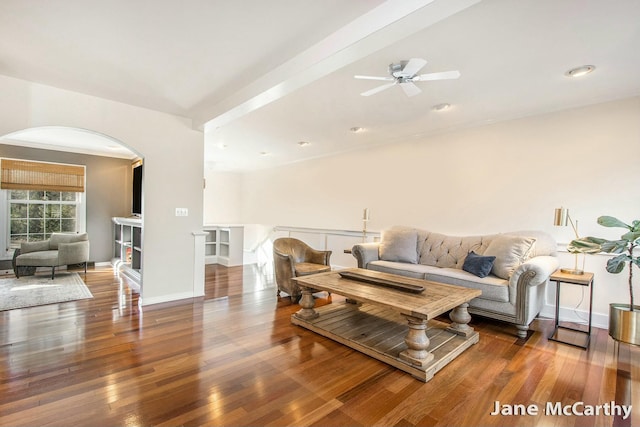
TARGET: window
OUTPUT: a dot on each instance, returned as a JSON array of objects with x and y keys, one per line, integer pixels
[
  {"x": 37, "y": 199},
  {"x": 34, "y": 215}
]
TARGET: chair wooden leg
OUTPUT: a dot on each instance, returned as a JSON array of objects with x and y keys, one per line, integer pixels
[
  {"x": 85, "y": 268},
  {"x": 53, "y": 272}
]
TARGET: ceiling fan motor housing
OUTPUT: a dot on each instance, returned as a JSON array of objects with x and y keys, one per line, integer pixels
[{"x": 396, "y": 69}]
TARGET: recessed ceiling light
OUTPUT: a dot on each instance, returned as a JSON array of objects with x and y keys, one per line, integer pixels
[
  {"x": 580, "y": 71},
  {"x": 441, "y": 107},
  {"x": 264, "y": 153},
  {"x": 304, "y": 143},
  {"x": 356, "y": 129}
]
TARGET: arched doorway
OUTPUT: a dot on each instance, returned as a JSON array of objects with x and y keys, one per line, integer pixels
[{"x": 109, "y": 189}]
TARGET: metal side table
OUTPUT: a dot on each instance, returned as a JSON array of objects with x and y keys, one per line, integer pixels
[{"x": 585, "y": 279}]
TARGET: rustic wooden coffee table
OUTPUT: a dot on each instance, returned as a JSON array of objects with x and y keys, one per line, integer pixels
[{"x": 392, "y": 325}]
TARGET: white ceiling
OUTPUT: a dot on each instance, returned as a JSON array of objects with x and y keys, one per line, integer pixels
[{"x": 260, "y": 76}]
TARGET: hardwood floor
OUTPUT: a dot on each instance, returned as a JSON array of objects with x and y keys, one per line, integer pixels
[{"x": 234, "y": 358}]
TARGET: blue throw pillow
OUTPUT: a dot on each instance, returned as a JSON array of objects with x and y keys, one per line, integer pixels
[{"x": 478, "y": 264}]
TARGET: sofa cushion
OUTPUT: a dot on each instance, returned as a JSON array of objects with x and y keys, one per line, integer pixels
[
  {"x": 478, "y": 265},
  {"x": 417, "y": 271},
  {"x": 57, "y": 238},
  {"x": 510, "y": 251},
  {"x": 545, "y": 244},
  {"x": 26, "y": 247},
  {"x": 38, "y": 259},
  {"x": 399, "y": 244},
  {"x": 493, "y": 288}
]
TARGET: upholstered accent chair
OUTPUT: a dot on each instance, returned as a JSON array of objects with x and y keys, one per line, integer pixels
[
  {"x": 60, "y": 249},
  {"x": 294, "y": 258}
]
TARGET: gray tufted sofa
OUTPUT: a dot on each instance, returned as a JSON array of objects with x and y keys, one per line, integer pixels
[{"x": 513, "y": 291}]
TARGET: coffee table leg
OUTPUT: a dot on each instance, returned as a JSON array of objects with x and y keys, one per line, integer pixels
[
  {"x": 417, "y": 343},
  {"x": 460, "y": 317},
  {"x": 307, "y": 303}
]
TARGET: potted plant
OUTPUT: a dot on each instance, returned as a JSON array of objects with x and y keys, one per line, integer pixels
[{"x": 624, "y": 319}]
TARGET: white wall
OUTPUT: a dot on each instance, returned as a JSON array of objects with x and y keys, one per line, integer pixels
[
  {"x": 173, "y": 174},
  {"x": 494, "y": 178},
  {"x": 222, "y": 197}
]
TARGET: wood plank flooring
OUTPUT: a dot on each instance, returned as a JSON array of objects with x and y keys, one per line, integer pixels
[{"x": 234, "y": 359}]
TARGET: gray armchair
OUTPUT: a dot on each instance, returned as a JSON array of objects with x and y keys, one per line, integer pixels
[
  {"x": 60, "y": 249},
  {"x": 294, "y": 258}
]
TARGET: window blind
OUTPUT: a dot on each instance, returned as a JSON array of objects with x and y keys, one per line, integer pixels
[{"x": 30, "y": 175}]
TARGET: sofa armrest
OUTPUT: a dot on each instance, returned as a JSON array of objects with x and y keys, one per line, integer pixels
[
  {"x": 26, "y": 247},
  {"x": 318, "y": 257},
  {"x": 73, "y": 253},
  {"x": 284, "y": 264},
  {"x": 525, "y": 291},
  {"x": 365, "y": 253},
  {"x": 535, "y": 271}
]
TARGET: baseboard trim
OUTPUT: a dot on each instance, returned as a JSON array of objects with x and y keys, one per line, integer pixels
[
  {"x": 598, "y": 320},
  {"x": 167, "y": 298}
]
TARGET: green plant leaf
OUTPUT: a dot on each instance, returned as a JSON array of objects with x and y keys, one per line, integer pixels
[
  {"x": 616, "y": 264},
  {"x": 586, "y": 245},
  {"x": 609, "y": 221},
  {"x": 614, "y": 246},
  {"x": 631, "y": 236},
  {"x": 636, "y": 225}
]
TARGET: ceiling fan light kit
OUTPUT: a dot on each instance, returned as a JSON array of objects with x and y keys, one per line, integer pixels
[
  {"x": 405, "y": 73},
  {"x": 441, "y": 107},
  {"x": 580, "y": 71}
]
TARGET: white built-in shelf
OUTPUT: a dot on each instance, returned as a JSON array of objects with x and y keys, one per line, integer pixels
[
  {"x": 127, "y": 248},
  {"x": 224, "y": 244}
]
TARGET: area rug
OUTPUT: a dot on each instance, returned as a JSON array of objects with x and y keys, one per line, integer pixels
[{"x": 29, "y": 291}]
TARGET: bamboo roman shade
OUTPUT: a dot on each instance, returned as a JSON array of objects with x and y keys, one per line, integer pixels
[{"x": 28, "y": 175}]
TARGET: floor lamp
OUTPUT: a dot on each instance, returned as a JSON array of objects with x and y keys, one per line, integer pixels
[{"x": 561, "y": 218}]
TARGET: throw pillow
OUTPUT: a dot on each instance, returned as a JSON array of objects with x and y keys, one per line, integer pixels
[
  {"x": 478, "y": 264},
  {"x": 399, "y": 244},
  {"x": 510, "y": 251}
]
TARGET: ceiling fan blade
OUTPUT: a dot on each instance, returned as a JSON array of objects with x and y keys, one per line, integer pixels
[
  {"x": 413, "y": 66},
  {"x": 444, "y": 75},
  {"x": 410, "y": 89},
  {"x": 388, "y": 79},
  {"x": 377, "y": 89}
]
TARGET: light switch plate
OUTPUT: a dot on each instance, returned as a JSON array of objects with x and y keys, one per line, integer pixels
[{"x": 182, "y": 212}]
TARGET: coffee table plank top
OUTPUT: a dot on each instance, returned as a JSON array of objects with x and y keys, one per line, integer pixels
[{"x": 436, "y": 299}]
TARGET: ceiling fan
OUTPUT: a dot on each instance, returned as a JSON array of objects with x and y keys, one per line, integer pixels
[{"x": 405, "y": 73}]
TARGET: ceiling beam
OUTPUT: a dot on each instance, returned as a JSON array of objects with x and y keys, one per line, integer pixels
[{"x": 382, "y": 26}]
